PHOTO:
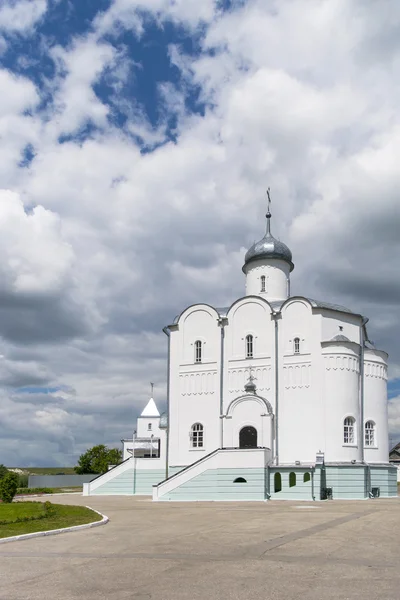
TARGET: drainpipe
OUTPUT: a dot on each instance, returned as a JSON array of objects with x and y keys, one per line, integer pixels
[
  {"x": 368, "y": 474},
  {"x": 168, "y": 334},
  {"x": 275, "y": 317},
  {"x": 221, "y": 323},
  {"x": 361, "y": 427}
]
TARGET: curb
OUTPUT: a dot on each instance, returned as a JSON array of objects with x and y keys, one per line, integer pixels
[{"x": 27, "y": 536}]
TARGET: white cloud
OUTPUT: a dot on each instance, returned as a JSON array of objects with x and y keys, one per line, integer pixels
[
  {"x": 21, "y": 15},
  {"x": 75, "y": 102},
  {"x": 297, "y": 96},
  {"x": 129, "y": 14},
  {"x": 35, "y": 258}
]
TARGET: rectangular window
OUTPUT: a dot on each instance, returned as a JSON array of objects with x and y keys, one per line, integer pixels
[
  {"x": 197, "y": 441},
  {"x": 348, "y": 434},
  {"x": 369, "y": 434}
]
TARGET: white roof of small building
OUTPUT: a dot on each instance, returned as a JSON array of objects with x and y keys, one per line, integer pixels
[{"x": 150, "y": 410}]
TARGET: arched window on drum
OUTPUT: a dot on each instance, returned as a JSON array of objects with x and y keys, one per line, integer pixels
[
  {"x": 249, "y": 346},
  {"x": 369, "y": 434}
]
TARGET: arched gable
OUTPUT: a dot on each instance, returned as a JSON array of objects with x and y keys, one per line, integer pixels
[
  {"x": 198, "y": 325},
  {"x": 296, "y": 299},
  {"x": 263, "y": 402},
  {"x": 297, "y": 330},
  {"x": 246, "y": 299},
  {"x": 250, "y": 315},
  {"x": 194, "y": 308}
]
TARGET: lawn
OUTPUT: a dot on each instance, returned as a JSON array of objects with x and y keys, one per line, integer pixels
[{"x": 56, "y": 517}]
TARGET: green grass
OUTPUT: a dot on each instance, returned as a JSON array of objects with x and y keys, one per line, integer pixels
[
  {"x": 60, "y": 516},
  {"x": 9, "y": 512}
]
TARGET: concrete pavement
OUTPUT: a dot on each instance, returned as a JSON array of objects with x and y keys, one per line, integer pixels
[{"x": 331, "y": 550}]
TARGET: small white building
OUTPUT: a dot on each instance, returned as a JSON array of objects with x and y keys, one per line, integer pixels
[{"x": 273, "y": 397}]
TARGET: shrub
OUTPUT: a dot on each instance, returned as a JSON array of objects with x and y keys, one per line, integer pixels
[
  {"x": 8, "y": 487},
  {"x": 3, "y": 471},
  {"x": 23, "y": 491},
  {"x": 23, "y": 481}
]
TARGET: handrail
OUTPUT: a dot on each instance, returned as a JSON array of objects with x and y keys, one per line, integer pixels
[
  {"x": 188, "y": 467},
  {"x": 204, "y": 458},
  {"x": 109, "y": 470}
]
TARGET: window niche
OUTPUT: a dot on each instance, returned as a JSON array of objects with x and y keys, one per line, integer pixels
[
  {"x": 249, "y": 346},
  {"x": 198, "y": 351}
]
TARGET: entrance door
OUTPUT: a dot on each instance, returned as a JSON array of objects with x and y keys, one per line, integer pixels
[{"x": 248, "y": 437}]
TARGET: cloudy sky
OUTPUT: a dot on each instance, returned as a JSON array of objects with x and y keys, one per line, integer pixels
[{"x": 137, "y": 138}]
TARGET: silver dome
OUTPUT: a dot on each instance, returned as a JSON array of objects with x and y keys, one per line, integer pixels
[{"x": 269, "y": 247}]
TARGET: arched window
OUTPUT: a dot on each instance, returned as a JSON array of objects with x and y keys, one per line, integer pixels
[
  {"x": 370, "y": 433},
  {"x": 240, "y": 480},
  {"x": 263, "y": 283},
  {"x": 277, "y": 482},
  {"x": 198, "y": 351},
  {"x": 249, "y": 346},
  {"x": 306, "y": 477},
  {"x": 149, "y": 426},
  {"x": 292, "y": 479},
  {"x": 197, "y": 435},
  {"x": 348, "y": 430},
  {"x": 296, "y": 345}
]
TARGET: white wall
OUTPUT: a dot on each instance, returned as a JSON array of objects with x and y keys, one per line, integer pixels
[
  {"x": 248, "y": 316},
  {"x": 143, "y": 430},
  {"x": 248, "y": 411},
  {"x": 375, "y": 404},
  {"x": 333, "y": 320},
  {"x": 277, "y": 275},
  {"x": 300, "y": 408},
  {"x": 341, "y": 390},
  {"x": 319, "y": 386},
  {"x": 194, "y": 387}
]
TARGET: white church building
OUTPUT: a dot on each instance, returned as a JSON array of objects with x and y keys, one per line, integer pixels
[{"x": 273, "y": 397}]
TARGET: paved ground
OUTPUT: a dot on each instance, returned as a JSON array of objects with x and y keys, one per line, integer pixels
[{"x": 209, "y": 551}]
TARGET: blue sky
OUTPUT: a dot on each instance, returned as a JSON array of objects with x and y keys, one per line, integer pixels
[
  {"x": 138, "y": 138},
  {"x": 146, "y": 59}
]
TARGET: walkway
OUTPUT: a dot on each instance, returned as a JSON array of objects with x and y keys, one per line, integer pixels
[{"x": 212, "y": 551}]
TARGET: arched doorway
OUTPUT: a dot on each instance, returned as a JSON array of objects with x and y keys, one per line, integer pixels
[{"x": 248, "y": 437}]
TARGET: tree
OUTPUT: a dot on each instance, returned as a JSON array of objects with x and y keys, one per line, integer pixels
[
  {"x": 97, "y": 459},
  {"x": 8, "y": 487},
  {"x": 3, "y": 471}
]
